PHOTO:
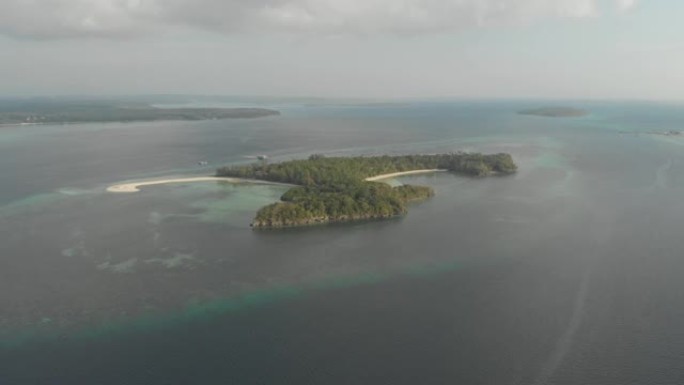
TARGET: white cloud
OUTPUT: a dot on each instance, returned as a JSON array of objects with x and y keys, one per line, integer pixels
[
  {"x": 626, "y": 5},
  {"x": 73, "y": 18}
]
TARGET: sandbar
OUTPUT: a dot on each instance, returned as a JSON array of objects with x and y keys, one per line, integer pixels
[
  {"x": 135, "y": 186},
  {"x": 402, "y": 173},
  {"x": 132, "y": 187}
]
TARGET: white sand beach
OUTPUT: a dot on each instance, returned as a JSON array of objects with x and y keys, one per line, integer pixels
[
  {"x": 403, "y": 173},
  {"x": 135, "y": 186}
]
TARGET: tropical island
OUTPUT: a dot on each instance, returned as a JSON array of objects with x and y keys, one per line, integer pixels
[
  {"x": 48, "y": 111},
  {"x": 555, "y": 112},
  {"x": 344, "y": 189}
]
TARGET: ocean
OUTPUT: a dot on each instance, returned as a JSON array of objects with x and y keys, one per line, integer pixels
[{"x": 568, "y": 272}]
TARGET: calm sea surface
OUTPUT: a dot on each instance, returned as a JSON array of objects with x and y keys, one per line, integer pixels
[{"x": 569, "y": 272}]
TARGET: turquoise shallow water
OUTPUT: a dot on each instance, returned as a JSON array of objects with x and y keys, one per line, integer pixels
[{"x": 567, "y": 272}]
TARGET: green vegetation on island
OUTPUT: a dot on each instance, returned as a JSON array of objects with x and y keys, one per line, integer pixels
[
  {"x": 42, "y": 111},
  {"x": 555, "y": 112},
  {"x": 335, "y": 189}
]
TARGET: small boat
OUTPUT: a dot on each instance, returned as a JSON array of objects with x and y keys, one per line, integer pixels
[
  {"x": 203, "y": 163},
  {"x": 262, "y": 157}
]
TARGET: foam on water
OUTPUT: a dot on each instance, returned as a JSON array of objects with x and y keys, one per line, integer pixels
[
  {"x": 178, "y": 260},
  {"x": 125, "y": 267}
]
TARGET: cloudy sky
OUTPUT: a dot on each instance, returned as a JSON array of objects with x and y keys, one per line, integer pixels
[{"x": 626, "y": 49}]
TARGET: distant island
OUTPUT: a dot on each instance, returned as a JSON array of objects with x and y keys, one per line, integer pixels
[
  {"x": 100, "y": 111},
  {"x": 660, "y": 133},
  {"x": 344, "y": 189},
  {"x": 555, "y": 112}
]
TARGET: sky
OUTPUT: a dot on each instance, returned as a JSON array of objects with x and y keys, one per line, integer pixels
[{"x": 563, "y": 49}]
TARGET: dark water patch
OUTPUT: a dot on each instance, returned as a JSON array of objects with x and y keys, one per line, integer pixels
[
  {"x": 12, "y": 339},
  {"x": 391, "y": 331}
]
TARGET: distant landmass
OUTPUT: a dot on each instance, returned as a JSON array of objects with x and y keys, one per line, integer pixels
[
  {"x": 48, "y": 111},
  {"x": 345, "y": 189},
  {"x": 555, "y": 112},
  {"x": 661, "y": 133}
]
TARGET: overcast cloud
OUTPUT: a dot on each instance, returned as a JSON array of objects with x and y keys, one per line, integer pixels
[{"x": 47, "y": 19}]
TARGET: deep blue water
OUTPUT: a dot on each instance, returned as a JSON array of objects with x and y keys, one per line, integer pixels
[{"x": 568, "y": 272}]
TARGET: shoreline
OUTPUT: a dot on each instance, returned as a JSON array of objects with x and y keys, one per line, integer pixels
[
  {"x": 135, "y": 186},
  {"x": 402, "y": 173},
  {"x": 132, "y": 187}
]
